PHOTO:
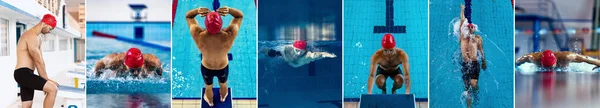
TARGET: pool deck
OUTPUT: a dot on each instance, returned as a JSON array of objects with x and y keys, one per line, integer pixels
[{"x": 196, "y": 103}]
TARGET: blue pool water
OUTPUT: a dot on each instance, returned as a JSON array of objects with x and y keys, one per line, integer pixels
[
  {"x": 360, "y": 43},
  {"x": 187, "y": 80},
  {"x": 496, "y": 83},
  {"x": 119, "y": 92}
]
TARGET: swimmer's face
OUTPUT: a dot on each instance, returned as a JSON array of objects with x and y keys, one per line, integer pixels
[
  {"x": 134, "y": 71},
  {"x": 471, "y": 29},
  {"x": 47, "y": 29},
  {"x": 390, "y": 51},
  {"x": 299, "y": 51}
]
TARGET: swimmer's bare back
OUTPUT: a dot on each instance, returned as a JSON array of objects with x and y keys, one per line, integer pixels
[
  {"x": 214, "y": 47},
  {"x": 115, "y": 62},
  {"x": 29, "y": 53}
]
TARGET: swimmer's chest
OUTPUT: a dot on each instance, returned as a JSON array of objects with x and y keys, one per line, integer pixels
[
  {"x": 468, "y": 46},
  {"x": 389, "y": 62}
]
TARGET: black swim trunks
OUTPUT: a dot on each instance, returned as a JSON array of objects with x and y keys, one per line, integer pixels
[
  {"x": 390, "y": 74},
  {"x": 28, "y": 83},
  {"x": 208, "y": 74},
  {"x": 470, "y": 70}
]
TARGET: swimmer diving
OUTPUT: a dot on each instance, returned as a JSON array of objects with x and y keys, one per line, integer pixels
[{"x": 297, "y": 54}]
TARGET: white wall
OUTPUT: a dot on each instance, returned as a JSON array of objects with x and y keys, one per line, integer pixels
[
  {"x": 7, "y": 67},
  {"x": 118, "y": 10}
]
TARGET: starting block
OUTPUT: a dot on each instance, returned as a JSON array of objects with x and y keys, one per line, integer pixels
[
  {"x": 387, "y": 101},
  {"x": 217, "y": 99}
]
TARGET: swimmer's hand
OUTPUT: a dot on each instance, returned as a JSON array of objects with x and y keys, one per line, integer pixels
[
  {"x": 223, "y": 11},
  {"x": 203, "y": 11},
  {"x": 483, "y": 65},
  {"x": 329, "y": 55}
]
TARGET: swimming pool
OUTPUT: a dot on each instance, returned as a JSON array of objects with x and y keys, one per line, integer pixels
[
  {"x": 317, "y": 84},
  {"x": 119, "y": 92},
  {"x": 360, "y": 43},
  {"x": 187, "y": 80},
  {"x": 497, "y": 30},
  {"x": 557, "y": 89},
  {"x": 314, "y": 85}
]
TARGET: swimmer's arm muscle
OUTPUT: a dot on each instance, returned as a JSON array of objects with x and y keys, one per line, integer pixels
[
  {"x": 36, "y": 54},
  {"x": 236, "y": 22},
  {"x": 523, "y": 59},
  {"x": 582, "y": 58},
  {"x": 192, "y": 23},
  {"x": 406, "y": 67},
  {"x": 462, "y": 17},
  {"x": 480, "y": 49},
  {"x": 372, "y": 68}
]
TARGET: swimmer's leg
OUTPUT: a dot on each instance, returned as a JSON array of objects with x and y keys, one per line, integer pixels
[
  {"x": 26, "y": 104},
  {"x": 380, "y": 79},
  {"x": 223, "y": 83},
  {"x": 208, "y": 84},
  {"x": 51, "y": 89},
  {"x": 398, "y": 82},
  {"x": 208, "y": 94},
  {"x": 474, "y": 84}
]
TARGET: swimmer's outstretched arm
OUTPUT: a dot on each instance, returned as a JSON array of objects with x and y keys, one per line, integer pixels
[
  {"x": 582, "y": 58},
  {"x": 192, "y": 23},
  {"x": 462, "y": 18},
  {"x": 313, "y": 56},
  {"x": 152, "y": 64},
  {"x": 373, "y": 66},
  {"x": 236, "y": 22},
  {"x": 406, "y": 67},
  {"x": 524, "y": 59}
]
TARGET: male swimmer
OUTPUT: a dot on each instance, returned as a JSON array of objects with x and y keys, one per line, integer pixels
[
  {"x": 389, "y": 59},
  {"x": 551, "y": 60},
  {"x": 132, "y": 63},
  {"x": 214, "y": 43},
  {"x": 29, "y": 58},
  {"x": 470, "y": 46},
  {"x": 297, "y": 55}
]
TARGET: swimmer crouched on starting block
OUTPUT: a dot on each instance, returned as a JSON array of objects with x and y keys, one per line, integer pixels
[
  {"x": 551, "y": 60},
  {"x": 29, "y": 58},
  {"x": 297, "y": 55},
  {"x": 132, "y": 63},
  {"x": 214, "y": 43},
  {"x": 389, "y": 58}
]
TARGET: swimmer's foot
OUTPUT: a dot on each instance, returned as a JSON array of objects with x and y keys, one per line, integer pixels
[
  {"x": 208, "y": 100},
  {"x": 223, "y": 98}
]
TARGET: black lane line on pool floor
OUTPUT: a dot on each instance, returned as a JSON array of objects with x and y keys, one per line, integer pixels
[{"x": 389, "y": 21}]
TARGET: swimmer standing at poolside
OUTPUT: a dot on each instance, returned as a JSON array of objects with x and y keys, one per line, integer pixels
[
  {"x": 297, "y": 55},
  {"x": 551, "y": 60},
  {"x": 389, "y": 58},
  {"x": 471, "y": 45},
  {"x": 29, "y": 58},
  {"x": 214, "y": 43},
  {"x": 132, "y": 63}
]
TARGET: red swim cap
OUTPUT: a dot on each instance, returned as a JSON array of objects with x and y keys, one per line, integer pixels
[
  {"x": 300, "y": 44},
  {"x": 548, "y": 58},
  {"x": 50, "y": 20},
  {"x": 134, "y": 58},
  {"x": 388, "y": 41},
  {"x": 213, "y": 22},
  {"x": 470, "y": 25}
]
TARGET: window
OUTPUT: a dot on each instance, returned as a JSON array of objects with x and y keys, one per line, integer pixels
[
  {"x": 4, "y": 48},
  {"x": 63, "y": 44},
  {"x": 48, "y": 43}
]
